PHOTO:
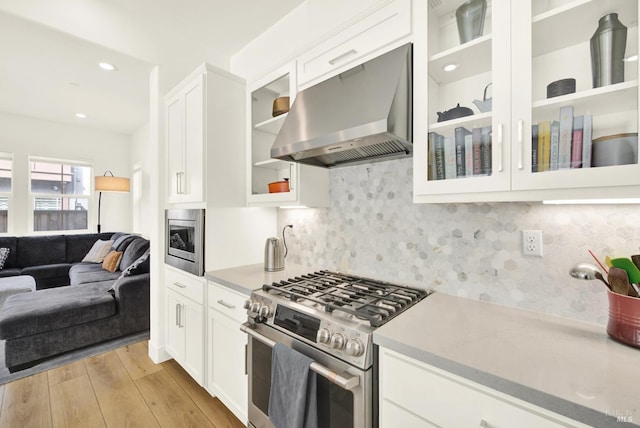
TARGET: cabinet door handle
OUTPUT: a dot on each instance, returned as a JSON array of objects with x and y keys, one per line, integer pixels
[
  {"x": 178, "y": 314},
  {"x": 483, "y": 424},
  {"x": 226, "y": 305},
  {"x": 180, "y": 182},
  {"x": 246, "y": 347},
  {"x": 342, "y": 56},
  {"x": 180, "y": 285},
  {"x": 181, "y": 306},
  {"x": 521, "y": 143},
  {"x": 499, "y": 147}
]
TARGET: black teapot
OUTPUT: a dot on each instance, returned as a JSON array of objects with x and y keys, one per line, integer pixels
[{"x": 454, "y": 113}]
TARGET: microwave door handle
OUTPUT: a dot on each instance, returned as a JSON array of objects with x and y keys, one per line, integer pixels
[{"x": 333, "y": 377}]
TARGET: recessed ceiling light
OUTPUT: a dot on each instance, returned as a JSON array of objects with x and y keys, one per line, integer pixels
[
  {"x": 107, "y": 66},
  {"x": 632, "y": 58},
  {"x": 450, "y": 67},
  {"x": 81, "y": 115}
]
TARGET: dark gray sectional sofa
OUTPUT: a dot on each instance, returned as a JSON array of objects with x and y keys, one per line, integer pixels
[{"x": 97, "y": 305}]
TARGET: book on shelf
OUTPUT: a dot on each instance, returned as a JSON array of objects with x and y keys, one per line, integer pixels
[
  {"x": 431, "y": 156},
  {"x": 544, "y": 136},
  {"x": 486, "y": 150},
  {"x": 468, "y": 155},
  {"x": 576, "y": 142},
  {"x": 534, "y": 148},
  {"x": 587, "y": 130},
  {"x": 554, "y": 148},
  {"x": 476, "y": 144},
  {"x": 459, "y": 134},
  {"x": 438, "y": 155},
  {"x": 566, "y": 135},
  {"x": 449, "y": 158}
]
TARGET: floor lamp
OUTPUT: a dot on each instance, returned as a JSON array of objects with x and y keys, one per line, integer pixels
[{"x": 109, "y": 183}]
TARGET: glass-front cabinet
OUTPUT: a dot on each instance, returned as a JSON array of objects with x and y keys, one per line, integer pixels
[{"x": 515, "y": 105}]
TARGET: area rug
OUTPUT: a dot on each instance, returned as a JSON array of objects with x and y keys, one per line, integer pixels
[{"x": 67, "y": 357}]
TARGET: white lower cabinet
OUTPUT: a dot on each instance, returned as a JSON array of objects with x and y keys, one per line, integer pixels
[
  {"x": 415, "y": 394},
  {"x": 226, "y": 374},
  {"x": 185, "y": 322}
]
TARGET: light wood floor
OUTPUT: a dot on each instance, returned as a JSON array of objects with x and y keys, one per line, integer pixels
[{"x": 121, "y": 388}]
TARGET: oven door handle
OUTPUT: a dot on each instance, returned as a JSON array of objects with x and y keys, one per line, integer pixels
[{"x": 341, "y": 381}]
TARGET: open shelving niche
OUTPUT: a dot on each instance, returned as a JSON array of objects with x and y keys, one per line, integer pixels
[{"x": 265, "y": 128}]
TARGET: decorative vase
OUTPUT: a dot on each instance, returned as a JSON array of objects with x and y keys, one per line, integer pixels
[
  {"x": 608, "y": 45},
  {"x": 470, "y": 19}
]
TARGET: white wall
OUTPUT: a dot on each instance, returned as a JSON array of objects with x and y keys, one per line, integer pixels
[
  {"x": 140, "y": 149},
  {"x": 23, "y": 137}
]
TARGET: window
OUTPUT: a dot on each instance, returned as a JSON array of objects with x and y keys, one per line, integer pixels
[
  {"x": 6, "y": 163},
  {"x": 61, "y": 191}
]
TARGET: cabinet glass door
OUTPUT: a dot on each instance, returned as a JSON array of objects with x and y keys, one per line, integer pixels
[
  {"x": 575, "y": 126},
  {"x": 467, "y": 97}
]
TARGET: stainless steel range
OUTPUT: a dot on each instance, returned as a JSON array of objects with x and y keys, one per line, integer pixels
[{"x": 330, "y": 317}]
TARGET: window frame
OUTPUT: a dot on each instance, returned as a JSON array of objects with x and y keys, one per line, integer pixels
[
  {"x": 33, "y": 195},
  {"x": 9, "y": 194}
]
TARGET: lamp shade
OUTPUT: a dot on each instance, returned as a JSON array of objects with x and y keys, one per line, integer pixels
[{"x": 105, "y": 183}]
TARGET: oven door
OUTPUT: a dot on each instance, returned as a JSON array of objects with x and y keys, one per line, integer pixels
[{"x": 344, "y": 392}]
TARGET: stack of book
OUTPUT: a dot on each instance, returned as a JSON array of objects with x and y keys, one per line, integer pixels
[
  {"x": 467, "y": 154},
  {"x": 562, "y": 144}
]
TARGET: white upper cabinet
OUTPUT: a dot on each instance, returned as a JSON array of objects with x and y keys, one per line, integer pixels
[
  {"x": 308, "y": 185},
  {"x": 205, "y": 139},
  {"x": 493, "y": 154},
  {"x": 389, "y": 21}
]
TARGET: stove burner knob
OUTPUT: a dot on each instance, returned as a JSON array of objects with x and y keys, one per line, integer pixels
[
  {"x": 337, "y": 341},
  {"x": 254, "y": 307},
  {"x": 324, "y": 335},
  {"x": 265, "y": 311},
  {"x": 354, "y": 348}
]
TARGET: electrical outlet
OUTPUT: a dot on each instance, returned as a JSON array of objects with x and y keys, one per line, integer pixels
[{"x": 532, "y": 243}]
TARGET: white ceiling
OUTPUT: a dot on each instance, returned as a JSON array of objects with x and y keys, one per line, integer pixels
[{"x": 51, "y": 75}]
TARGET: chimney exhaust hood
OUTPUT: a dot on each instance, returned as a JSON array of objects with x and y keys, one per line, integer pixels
[{"x": 361, "y": 115}]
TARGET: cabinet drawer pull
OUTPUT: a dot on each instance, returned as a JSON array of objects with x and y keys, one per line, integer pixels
[
  {"x": 180, "y": 285},
  {"x": 342, "y": 56},
  {"x": 499, "y": 147},
  {"x": 520, "y": 143},
  {"x": 226, "y": 305}
]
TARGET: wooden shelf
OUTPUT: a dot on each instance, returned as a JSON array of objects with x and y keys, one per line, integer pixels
[
  {"x": 275, "y": 164},
  {"x": 575, "y": 23},
  {"x": 272, "y": 125},
  {"x": 473, "y": 58},
  {"x": 620, "y": 97}
]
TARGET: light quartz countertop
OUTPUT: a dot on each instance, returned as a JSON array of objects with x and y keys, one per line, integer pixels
[
  {"x": 245, "y": 279},
  {"x": 569, "y": 367}
]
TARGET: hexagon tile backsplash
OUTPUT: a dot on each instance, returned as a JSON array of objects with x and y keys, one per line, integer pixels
[{"x": 372, "y": 228}]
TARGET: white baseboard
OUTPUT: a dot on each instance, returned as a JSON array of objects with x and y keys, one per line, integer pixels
[{"x": 158, "y": 354}]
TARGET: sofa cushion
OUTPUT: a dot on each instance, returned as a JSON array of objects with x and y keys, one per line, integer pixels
[
  {"x": 41, "y": 250},
  {"x": 47, "y": 271},
  {"x": 122, "y": 242},
  {"x": 47, "y": 310},
  {"x": 111, "y": 263},
  {"x": 98, "y": 251},
  {"x": 9, "y": 272},
  {"x": 140, "y": 266},
  {"x": 10, "y": 242},
  {"x": 79, "y": 245},
  {"x": 85, "y": 273},
  {"x": 4, "y": 255},
  {"x": 133, "y": 252}
]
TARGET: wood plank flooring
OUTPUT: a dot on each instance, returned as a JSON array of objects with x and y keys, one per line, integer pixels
[{"x": 121, "y": 388}]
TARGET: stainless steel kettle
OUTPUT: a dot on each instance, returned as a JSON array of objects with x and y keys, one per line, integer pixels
[
  {"x": 275, "y": 251},
  {"x": 273, "y": 255}
]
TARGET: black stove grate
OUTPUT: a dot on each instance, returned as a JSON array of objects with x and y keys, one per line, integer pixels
[{"x": 374, "y": 301}]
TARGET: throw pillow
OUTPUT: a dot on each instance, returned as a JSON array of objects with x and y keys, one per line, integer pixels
[
  {"x": 4, "y": 254},
  {"x": 98, "y": 252},
  {"x": 112, "y": 261},
  {"x": 140, "y": 266}
]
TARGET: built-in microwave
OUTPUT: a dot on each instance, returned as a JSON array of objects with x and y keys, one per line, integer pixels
[{"x": 184, "y": 239}]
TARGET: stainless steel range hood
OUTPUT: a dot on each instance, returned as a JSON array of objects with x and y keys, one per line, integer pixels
[{"x": 361, "y": 115}]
